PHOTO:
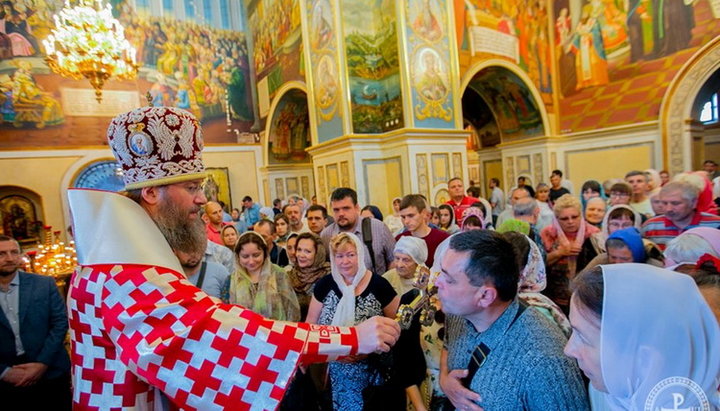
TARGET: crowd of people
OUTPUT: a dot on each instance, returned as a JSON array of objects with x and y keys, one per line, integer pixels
[
  {"x": 541, "y": 247},
  {"x": 544, "y": 298}
]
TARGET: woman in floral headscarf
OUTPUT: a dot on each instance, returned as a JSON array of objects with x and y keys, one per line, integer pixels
[
  {"x": 474, "y": 217},
  {"x": 258, "y": 284},
  {"x": 533, "y": 279},
  {"x": 563, "y": 242}
]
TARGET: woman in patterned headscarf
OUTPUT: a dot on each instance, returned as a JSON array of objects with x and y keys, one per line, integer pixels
[
  {"x": 310, "y": 266},
  {"x": 260, "y": 285},
  {"x": 533, "y": 279}
]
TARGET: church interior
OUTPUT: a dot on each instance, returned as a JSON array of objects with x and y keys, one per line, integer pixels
[
  {"x": 467, "y": 204},
  {"x": 388, "y": 97}
]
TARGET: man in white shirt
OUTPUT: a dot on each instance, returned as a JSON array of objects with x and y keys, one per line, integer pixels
[{"x": 497, "y": 198}]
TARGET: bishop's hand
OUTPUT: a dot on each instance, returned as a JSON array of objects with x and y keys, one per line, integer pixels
[{"x": 377, "y": 334}]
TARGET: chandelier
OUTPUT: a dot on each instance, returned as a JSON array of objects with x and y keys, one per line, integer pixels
[{"x": 88, "y": 42}]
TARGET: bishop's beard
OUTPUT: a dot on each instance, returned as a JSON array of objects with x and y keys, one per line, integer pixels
[{"x": 184, "y": 235}]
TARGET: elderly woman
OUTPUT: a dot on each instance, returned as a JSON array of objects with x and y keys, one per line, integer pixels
[
  {"x": 351, "y": 295},
  {"x": 688, "y": 247},
  {"x": 645, "y": 338},
  {"x": 258, "y": 284},
  {"x": 229, "y": 236},
  {"x": 625, "y": 246},
  {"x": 310, "y": 266},
  {"x": 619, "y": 217},
  {"x": 595, "y": 211},
  {"x": 410, "y": 252},
  {"x": 563, "y": 242},
  {"x": 533, "y": 279}
]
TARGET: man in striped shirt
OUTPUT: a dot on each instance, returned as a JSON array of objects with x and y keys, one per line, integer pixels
[{"x": 680, "y": 200}]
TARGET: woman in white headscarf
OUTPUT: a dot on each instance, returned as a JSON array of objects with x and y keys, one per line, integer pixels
[
  {"x": 645, "y": 338},
  {"x": 409, "y": 253},
  {"x": 350, "y": 295}
]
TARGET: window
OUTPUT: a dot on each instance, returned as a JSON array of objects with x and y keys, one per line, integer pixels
[
  {"x": 102, "y": 175},
  {"x": 189, "y": 9},
  {"x": 168, "y": 5},
  {"x": 709, "y": 113},
  {"x": 207, "y": 11},
  {"x": 225, "y": 14}
]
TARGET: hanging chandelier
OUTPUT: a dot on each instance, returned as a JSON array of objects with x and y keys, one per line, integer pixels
[{"x": 88, "y": 42}]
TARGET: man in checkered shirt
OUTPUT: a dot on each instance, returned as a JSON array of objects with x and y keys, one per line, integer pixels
[{"x": 143, "y": 337}]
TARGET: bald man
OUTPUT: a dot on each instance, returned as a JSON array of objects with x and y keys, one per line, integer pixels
[{"x": 214, "y": 215}]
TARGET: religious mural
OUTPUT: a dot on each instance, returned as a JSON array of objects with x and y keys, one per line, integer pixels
[
  {"x": 277, "y": 41},
  {"x": 325, "y": 73},
  {"x": 19, "y": 218},
  {"x": 515, "y": 30},
  {"x": 616, "y": 59},
  {"x": 290, "y": 129},
  {"x": 371, "y": 46},
  {"x": 190, "y": 66},
  {"x": 428, "y": 47},
  {"x": 597, "y": 39},
  {"x": 514, "y": 110},
  {"x": 183, "y": 63},
  {"x": 486, "y": 136}
]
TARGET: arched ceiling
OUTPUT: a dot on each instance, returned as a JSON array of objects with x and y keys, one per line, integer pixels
[{"x": 497, "y": 95}]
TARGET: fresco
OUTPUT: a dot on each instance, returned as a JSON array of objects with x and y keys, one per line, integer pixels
[
  {"x": 184, "y": 64},
  {"x": 371, "y": 47},
  {"x": 429, "y": 51},
  {"x": 597, "y": 39},
  {"x": 513, "y": 107},
  {"x": 325, "y": 74},
  {"x": 516, "y": 30},
  {"x": 617, "y": 59},
  {"x": 277, "y": 41},
  {"x": 290, "y": 129},
  {"x": 190, "y": 66}
]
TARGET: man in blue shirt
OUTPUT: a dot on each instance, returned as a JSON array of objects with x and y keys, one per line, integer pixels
[
  {"x": 251, "y": 211},
  {"x": 499, "y": 353}
]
